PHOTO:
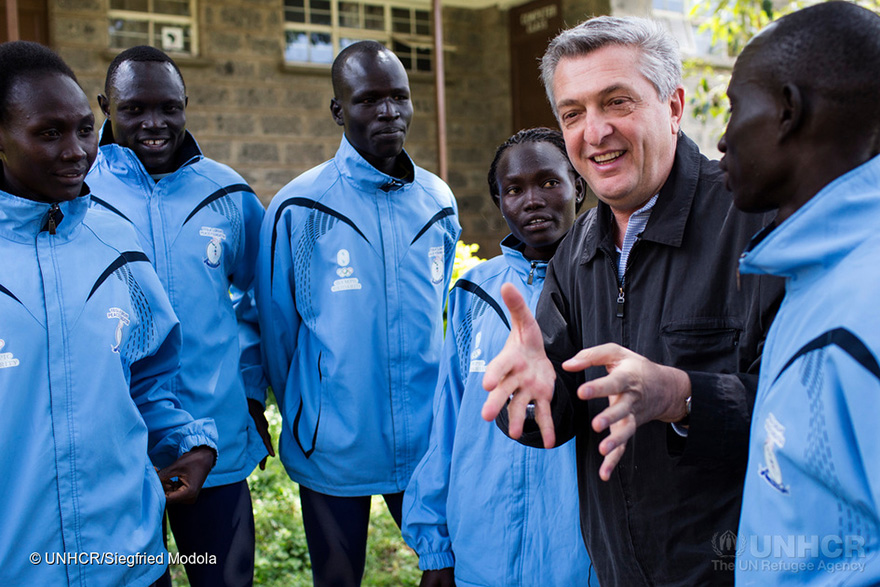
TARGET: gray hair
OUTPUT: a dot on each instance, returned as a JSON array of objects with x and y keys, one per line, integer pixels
[{"x": 660, "y": 61}]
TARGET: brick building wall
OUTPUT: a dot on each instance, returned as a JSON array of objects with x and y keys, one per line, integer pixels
[{"x": 271, "y": 121}]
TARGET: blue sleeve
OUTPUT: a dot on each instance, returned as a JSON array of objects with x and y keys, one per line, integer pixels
[
  {"x": 242, "y": 292},
  {"x": 424, "y": 502},
  {"x": 276, "y": 299},
  {"x": 172, "y": 430}
]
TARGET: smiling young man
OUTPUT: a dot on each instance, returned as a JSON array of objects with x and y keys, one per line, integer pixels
[
  {"x": 355, "y": 261},
  {"x": 650, "y": 275},
  {"x": 804, "y": 139},
  {"x": 199, "y": 224}
]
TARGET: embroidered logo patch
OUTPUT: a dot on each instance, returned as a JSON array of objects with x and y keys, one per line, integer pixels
[
  {"x": 344, "y": 271},
  {"x": 215, "y": 246},
  {"x": 435, "y": 257},
  {"x": 6, "y": 359},
  {"x": 770, "y": 470},
  {"x": 122, "y": 316},
  {"x": 478, "y": 365}
]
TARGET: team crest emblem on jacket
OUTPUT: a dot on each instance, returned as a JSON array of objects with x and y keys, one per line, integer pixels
[
  {"x": 345, "y": 272},
  {"x": 770, "y": 470},
  {"x": 478, "y": 365},
  {"x": 6, "y": 359},
  {"x": 435, "y": 256},
  {"x": 122, "y": 316},
  {"x": 214, "y": 251}
]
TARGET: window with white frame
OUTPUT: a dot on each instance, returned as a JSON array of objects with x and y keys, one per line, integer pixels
[
  {"x": 169, "y": 25},
  {"x": 316, "y": 30},
  {"x": 676, "y": 15}
]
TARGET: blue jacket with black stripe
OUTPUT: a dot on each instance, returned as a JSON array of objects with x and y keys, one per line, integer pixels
[
  {"x": 87, "y": 340},
  {"x": 499, "y": 512},
  {"x": 353, "y": 274},
  {"x": 200, "y": 227},
  {"x": 811, "y": 503}
]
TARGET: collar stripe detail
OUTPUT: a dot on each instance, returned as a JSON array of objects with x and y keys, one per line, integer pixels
[
  {"x": 122, "y": 259},
  {"x": 306, "y": 203},
  {"x": 109, "y": 207},
  {"x": 9, "y": 293},
  {"x": 847, "y": 342},
  {"x": 230, "y": 189},
  {"x": 481, "y": 293},
  {"x": 448, "y": 211}
]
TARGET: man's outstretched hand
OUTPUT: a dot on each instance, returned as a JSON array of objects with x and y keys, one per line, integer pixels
[
  {"x": 638, "y": 391},
  {"x": 521, "y": 370}
]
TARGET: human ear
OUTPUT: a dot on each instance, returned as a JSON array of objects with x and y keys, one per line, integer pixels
[
  {"x": 676, "y": 106},
  {"x": 104, "y": 104},
  {"x": 791, "y": 113},
  {"x": 336, "y": 111},
  {"x": 580, "y": 189}
]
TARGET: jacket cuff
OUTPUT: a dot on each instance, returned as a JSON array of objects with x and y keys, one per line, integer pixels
[
  {"x": 719, "y": 421},
  {"x": 199, "y": 433},
  {"x": 434, "y": 561}
]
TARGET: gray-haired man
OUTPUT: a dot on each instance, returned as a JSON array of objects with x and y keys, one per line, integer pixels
[{"x": 647, "y": 285}]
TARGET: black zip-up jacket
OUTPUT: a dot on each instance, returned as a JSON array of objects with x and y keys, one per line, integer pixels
[{"x": 664, "y": 516}]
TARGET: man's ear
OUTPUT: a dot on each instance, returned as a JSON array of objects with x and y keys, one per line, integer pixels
[
  {"x": 580, "y": 189},
  {"x": 791, "y": 114},
  {"x": 676, "y": 108},
  {"x": 336, "y": 111},
  {"x": 104, "y": 103}
]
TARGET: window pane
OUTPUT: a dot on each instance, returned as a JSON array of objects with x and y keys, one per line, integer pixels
[
  {"x": 294, "y": 10},
  {"x": 404, "y": 53},
  {"x": 172, "y": 38},
  {"x": 349, "y": 15},
  {"x": 175, "y": 7},
  {"x": 128, "y": 33},
  {"x": 374, "y": 17},
  {"x": 320, "y": 12},
  {"x": 296, "y": 46},
  {"x": 343, "y": 43},
  {"x": 140, "y": 5},
  {"x": 423, "y": 60},
  {"x": 423, "y": 22},
  {"x": 400, "y": 20},
  {"x": 321, "y": 49}
]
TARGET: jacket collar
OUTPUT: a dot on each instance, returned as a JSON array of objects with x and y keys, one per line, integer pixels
[
  {"x": 669, "y": 215},
  {"x": 21, "y": 220},
  {"x": 511, "y": 248},
  {"x": 189, "y": 151},
  {"x": 843, "y": 215},
  {"x": 357, "y": 170}
]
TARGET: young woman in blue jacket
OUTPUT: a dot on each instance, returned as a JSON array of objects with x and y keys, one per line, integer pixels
[
  {"x": 87, "y": 340},
  {"x": 482, "y": 509}
]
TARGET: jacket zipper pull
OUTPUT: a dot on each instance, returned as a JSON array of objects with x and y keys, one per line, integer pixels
[
  {"x": 621, "y": 298},
  {"x": 532, "y": 273},
  {"x": 53, "y": 222}
]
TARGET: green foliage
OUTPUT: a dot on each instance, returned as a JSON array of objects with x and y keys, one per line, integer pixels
[
  {"x": 732, "y": 24},
  {"x": 282, "y": 557},
  {"x": 465, "y": 259}
]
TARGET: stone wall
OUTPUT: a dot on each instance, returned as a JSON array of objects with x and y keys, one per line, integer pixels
[{"x": 271, "y": 122}]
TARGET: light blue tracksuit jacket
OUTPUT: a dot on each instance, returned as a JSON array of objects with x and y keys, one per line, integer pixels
[
  {"x": 503, "y": 514},
  {"x": 87, "y": 340},
  {"x": 353, "y": 275},
  {"x": 200, "y": 227},
  {"x": 811, "y": 504}
]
